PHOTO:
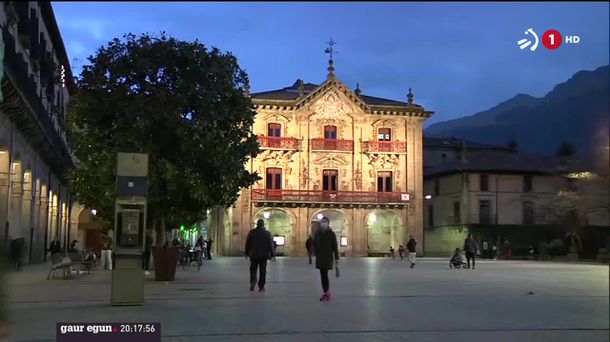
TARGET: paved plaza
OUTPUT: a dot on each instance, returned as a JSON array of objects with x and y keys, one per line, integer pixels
[{"x": 375, "y": 299}]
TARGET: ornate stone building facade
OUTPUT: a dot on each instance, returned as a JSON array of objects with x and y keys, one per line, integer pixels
[{"x": 332, "y": 151}]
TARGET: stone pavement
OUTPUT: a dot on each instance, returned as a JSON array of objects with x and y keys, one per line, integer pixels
[{"x": 374, "y": 300}]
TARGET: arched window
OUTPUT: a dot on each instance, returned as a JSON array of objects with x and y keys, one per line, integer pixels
[{"x": 330, "y": 132}]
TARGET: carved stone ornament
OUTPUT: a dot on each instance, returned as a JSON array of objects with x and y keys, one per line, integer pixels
[
  {"x": 384, "y": 161},
  {"x": 277, "y": 158},
  {"x": 304, "y": 175},
  {"x": 358, "y": 177},
  {"x": 331, "y": 160},
  {"x": 330, "y": 108}
]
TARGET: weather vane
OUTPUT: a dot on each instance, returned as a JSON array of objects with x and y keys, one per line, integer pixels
[{"x": 330, "y": 49}]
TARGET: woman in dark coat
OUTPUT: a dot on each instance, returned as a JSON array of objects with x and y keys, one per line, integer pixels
[{"x": 327, "y": 254}]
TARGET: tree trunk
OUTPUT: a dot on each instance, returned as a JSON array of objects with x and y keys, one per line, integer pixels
[{"x": 162, "y": 234}]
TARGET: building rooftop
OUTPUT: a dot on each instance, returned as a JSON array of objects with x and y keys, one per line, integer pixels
[
  {"x": 455, "y": 143},
  {"x": 515, "y": 163},
  {"x": 293, "y": 93}
]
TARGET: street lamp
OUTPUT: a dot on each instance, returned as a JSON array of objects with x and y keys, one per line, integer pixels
[
  {"x": 93, "y": 212},
  {"x": 320, "y": 216},
  {"x": 266, "y": 215},
  {"x": 428, "y": 197}
]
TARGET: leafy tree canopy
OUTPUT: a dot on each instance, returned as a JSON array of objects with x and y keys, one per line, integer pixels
[{"x": 178, "y": 101}]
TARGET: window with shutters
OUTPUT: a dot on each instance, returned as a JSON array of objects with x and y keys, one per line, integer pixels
[
  {"x": 274, "y": 178},
  {"x": 385, "y": 134},
  {"x": 274, "y": 130},
  {"x": 330, "y": 180},
  {"x": 384, "y": 181},
  {"x": 330, "y": 132}
]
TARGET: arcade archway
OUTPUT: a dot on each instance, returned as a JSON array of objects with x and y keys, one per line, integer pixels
[
  {"x": 385, "y": 228},
  {"x": 279, "y": 224}
]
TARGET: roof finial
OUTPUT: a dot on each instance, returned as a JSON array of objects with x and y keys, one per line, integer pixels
[
  {"x": 329, "y": 50},
  {"x": 410, "y": 97},
  {"x": 358, "y": 91}
]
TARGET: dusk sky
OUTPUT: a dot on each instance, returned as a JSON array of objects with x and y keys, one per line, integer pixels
[{"x": 459, "y": 58}]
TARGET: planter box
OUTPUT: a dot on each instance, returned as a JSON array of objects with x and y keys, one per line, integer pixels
[{"x": 165, "y": 260}]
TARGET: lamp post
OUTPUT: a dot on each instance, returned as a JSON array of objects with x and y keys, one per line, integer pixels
[{"x": 423, "y": 236}]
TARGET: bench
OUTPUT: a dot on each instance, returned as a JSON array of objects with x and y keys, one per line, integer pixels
[
  {"x": 57, "y": 263},
  {"x": 71, "y": 261},
  {"x": 80, "y": 264}
]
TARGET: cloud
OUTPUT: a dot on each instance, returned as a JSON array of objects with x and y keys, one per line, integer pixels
[{"x": 93, "y": 26}]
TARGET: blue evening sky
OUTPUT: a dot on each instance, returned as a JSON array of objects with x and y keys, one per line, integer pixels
[{"x": 459, "y": 58}]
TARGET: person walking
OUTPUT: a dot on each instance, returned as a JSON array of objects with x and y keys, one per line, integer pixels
[
  {"x": 55, "y": 250},
  {"x": 411, "y": 251},
  {"x": 470, "y": 247},
  {"x": 259, "y": 248},
  {"x": 327, "y": 251},
  {"x": 401, "y": 252},
  {"x": 208, "y": 249},
  {"x": 274, "y": 246},
  {"x": 106, "y": 259},
  {"x": 309, "y": 247},
  {"x": 147, "y": 251}
]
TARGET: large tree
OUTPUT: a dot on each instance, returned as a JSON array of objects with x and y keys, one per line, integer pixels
[{"x": 178, "y": 101}]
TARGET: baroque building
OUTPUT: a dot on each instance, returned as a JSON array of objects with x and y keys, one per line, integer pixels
[{"x": 327, "y": 150}]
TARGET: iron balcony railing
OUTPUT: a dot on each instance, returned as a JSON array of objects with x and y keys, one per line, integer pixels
[
  {"x": 329, "y": 196},
  {"x": 332, "y": 145},
  {"x": 284, "y": 143},
  {"x": 386, "y": 146}
]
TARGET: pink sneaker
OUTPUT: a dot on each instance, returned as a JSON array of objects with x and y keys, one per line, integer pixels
[{"x": 323, "y": 298}]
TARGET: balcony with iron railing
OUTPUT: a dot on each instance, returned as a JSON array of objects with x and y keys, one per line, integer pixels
[
  {"x": 279, "y": 143},
  {"x": 320, "y": 144},
  {"x": 374, "y": 146},
  {"x": 276, "y": 196}
]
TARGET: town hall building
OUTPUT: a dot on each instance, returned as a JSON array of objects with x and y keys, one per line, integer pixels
[{"x": 328, "y": 150}]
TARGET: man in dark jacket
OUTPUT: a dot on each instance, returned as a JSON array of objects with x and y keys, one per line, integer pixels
[
  {"x": 470, "y": 247},
  {"x": 259, "y": 248},
  {"x": 411, "y": 250},
  {"x": 327, "y": 252},
  {"x": 208, "y": 248},
  {"x": 309, "y": 247}
]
